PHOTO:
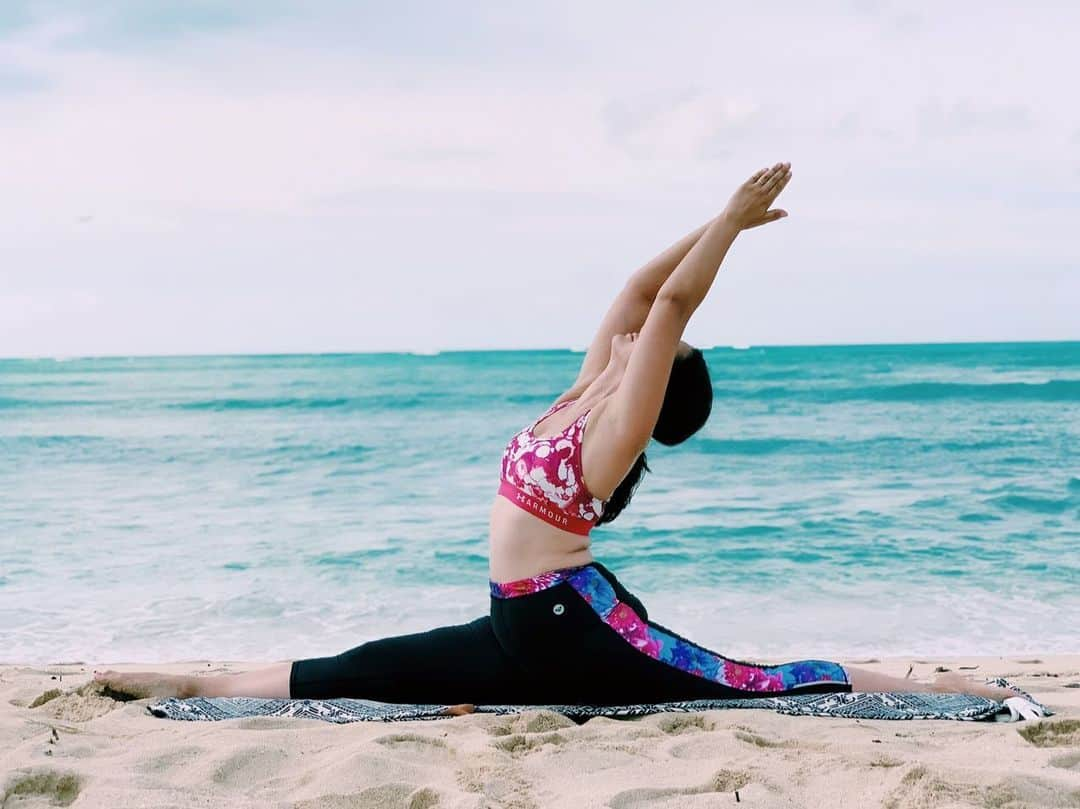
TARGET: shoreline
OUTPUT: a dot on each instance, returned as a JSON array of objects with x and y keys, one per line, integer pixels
[{"x": 89, "y": 748}]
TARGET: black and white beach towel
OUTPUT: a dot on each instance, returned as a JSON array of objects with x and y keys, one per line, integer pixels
[{"x": 856, "y": 705}]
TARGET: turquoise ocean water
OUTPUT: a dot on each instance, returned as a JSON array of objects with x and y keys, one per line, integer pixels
[{"x": 841, "y": 501}]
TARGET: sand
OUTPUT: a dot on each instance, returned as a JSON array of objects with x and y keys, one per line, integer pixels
[{"x": 84, "y": 750}]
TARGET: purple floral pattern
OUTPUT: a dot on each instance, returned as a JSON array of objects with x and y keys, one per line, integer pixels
[{"x": 678, "y": 652}]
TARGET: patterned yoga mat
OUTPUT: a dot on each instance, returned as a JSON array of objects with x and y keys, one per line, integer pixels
[{"x": 848, "y": 705}]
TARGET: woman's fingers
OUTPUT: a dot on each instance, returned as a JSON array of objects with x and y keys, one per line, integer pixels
[
  {"x": 777, "y": 179},
  {"x": 767, "y": 174},
  {"x": 774, "y": 188},
  {"x": 780, "y": 184}
]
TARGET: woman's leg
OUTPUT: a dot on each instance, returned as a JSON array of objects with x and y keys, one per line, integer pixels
[
  {"x": 741, "y": 678},
  {"x": 270, "y": 682},
  {"x": 951, "y": 683},
  {"x": 585, "y": 640},
  {"x": 449, "y": 665},
  {"x": 589, "y": 640}
]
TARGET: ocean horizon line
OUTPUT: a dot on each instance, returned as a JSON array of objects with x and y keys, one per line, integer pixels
[{"x": 548, "y": 350}]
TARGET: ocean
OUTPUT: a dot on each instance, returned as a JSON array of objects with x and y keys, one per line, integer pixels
[{"x": 841, "y": 501}]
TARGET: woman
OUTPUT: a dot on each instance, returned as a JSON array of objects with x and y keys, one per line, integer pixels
[{"x": 561, "y": 628}]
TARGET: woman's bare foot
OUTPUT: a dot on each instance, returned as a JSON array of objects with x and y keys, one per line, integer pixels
[
  {"x": 956, "y": 683},
  {"x": 143, "y": 684}
]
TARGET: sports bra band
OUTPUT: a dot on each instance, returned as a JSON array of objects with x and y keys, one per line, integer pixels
[{"x": 544, "y": 510}]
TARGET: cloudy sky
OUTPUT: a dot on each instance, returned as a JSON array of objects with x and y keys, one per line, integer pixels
[{"x": 189, "y": 177}]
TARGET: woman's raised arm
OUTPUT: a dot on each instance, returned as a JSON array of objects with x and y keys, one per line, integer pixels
[
  {"x": 630, "y": 308},
  {"x": 637, "y": 402},
  {"x": 748, "y": 207}
]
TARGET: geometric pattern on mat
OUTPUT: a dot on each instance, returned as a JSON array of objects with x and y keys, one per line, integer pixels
[{"x": 861, "y": 705}]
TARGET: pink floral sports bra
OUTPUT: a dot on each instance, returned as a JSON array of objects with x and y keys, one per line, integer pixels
[{"x": 543, "y": 475}]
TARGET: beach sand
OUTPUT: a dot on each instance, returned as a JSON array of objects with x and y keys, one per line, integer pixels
[{"x": 85, "y": 750}]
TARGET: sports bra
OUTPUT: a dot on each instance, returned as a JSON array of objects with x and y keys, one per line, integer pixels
[{"x": 543, "y": 475}]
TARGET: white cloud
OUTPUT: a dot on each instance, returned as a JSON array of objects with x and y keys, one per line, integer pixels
[{"x": 320, "y": 180}]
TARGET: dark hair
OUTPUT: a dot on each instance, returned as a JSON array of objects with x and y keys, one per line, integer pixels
[
  {"x": 686, "y": 408},
  {"x": 687, "y": 401}
]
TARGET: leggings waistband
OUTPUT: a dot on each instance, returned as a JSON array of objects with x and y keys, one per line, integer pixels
[{"x": 535, "y": 584}]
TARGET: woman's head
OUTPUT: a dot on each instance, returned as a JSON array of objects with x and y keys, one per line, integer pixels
[
  {"x": 688, "y": 397},
  {"x": 686, "y": 408},
  {"x": 687, "y": 400}
]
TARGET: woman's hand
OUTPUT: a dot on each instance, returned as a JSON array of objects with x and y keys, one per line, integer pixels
[{"x": 749, "y": 205}]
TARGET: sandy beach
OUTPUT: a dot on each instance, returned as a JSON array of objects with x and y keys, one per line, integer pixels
[{"x": 82, "y": 749}]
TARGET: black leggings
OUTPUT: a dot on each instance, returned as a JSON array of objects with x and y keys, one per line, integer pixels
[{"x": 548, "y": 647}]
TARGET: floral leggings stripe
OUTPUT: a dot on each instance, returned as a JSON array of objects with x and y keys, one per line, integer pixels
[{"x": 668, "y": 648}]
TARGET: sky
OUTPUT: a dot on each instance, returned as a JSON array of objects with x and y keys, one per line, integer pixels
[{"x": 259, "y": 177}]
